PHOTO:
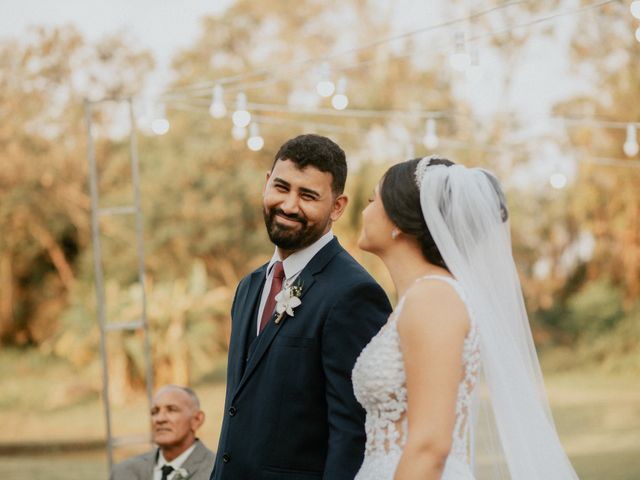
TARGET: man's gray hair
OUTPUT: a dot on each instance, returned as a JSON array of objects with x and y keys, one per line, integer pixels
[{"x": 192, "y": 395}]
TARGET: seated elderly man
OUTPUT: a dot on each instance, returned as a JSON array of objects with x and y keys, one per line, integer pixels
[{"x": 175, "y": 418}]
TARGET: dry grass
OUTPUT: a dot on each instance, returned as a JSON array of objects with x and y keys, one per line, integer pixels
[{"x": 44, "y": 401}]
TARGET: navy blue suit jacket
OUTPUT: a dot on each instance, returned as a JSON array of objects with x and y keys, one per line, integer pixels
[{"x": 290, "y": 411}]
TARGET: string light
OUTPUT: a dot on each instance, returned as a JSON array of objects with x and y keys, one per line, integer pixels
[
  {"x": 325, "y": 86},
  {"x": 635, "y": 8},
  {"x": 241, "y": 117},
  {"x": 430, "y": 139},
  {"x": 631, "y": 146},
  {"x": 558, "y": 180},
  {"x": 638, "y": 34},
  {"x": 255, "y": 142},
  {"x": 340, "y": 99},
  {"x": 217, "y": 108},
  {"x": 160, "y": 125},
  {"x": 459, "y": 59},
  {"x": 239, "y": 133}
]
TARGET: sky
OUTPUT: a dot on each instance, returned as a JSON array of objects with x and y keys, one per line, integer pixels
[{"x": 163, "y": 26}]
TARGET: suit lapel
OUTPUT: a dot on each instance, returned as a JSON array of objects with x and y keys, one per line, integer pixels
[
  {"x": 149, "y": 462},
  {"x": 306, "y": 280},
  {"x": 193, "y": 461},
  {"x": 245, "y": 320}
]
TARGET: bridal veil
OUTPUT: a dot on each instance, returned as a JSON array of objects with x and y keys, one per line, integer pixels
[{"x": 465, "y": 212}]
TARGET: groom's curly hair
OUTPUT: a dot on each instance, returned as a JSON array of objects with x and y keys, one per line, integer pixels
[
  {"x": 319, "y": 152},
  {"x": 401, "y": 200}
]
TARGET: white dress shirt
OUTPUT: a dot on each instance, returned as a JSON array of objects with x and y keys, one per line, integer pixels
[
  {"x": 292, "y": 265},
  {"x": 176, "y": 463}
]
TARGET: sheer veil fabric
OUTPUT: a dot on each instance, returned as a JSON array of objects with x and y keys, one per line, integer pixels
[{"x": 465, "y": 212}]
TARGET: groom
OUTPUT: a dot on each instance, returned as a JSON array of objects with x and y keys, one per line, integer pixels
[{"x": 290, "y": 412}]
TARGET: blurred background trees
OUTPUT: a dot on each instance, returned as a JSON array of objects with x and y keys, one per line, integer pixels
[{"x": 578, "y": 249}]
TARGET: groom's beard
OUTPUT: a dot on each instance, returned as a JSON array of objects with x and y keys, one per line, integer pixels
[{"x": 291, "y": 238}]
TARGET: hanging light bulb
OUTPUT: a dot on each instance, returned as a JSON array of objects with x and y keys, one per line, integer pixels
[
  {"x": 474, "y": 70},
  {"x": 325, "y": 86},
  {"x": 558, "y": 180},
  {"x": 340, "y": 99},
  {"x": 430, "y": 139},
  {"x": 217, "y": 108},
  {"x": 638, "y": 34},
  {"x": 255, "y": 142},
  {"x": 459, "y": 59},
  {"x": 239, "y": 133},
  {"x": 241, "y": 117},
  {"x": 630, "y": 146},
  {"x": 160, "y": 125},
  {"x": 635, "y": 8}
]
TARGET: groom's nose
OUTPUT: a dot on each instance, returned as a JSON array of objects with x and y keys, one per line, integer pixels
[{"x": 290, "y": 204}]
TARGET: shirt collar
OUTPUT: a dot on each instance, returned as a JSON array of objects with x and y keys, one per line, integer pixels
[
  {"x": 177, "y": 462},
  {"x": 295, "y": 262}
]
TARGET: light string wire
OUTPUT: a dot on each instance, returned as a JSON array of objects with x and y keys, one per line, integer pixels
[
  {"x": 318, "y": 60},
  {"x": 326, "y": 58},
  {"x": 504, "y": 147},
  {"x": 572, "y": 120}
]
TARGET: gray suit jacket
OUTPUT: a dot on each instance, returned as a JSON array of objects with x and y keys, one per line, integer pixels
[{"x": 199, "y": 465}]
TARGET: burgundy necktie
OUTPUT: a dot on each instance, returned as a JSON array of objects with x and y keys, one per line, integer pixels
[{"x": 276, "y": 286}]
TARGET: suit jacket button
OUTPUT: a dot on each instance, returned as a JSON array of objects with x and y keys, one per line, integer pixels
[
  {"x": 233, "y": 411},
  {"x": 226, "y": 458}
]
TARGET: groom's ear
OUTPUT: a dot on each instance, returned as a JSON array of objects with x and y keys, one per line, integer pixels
[
  {"x": 339, "y": 205},
  {"x": 266, "y": 182}
]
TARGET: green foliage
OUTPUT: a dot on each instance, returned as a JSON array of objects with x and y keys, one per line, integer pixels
[
  {"x": 595, "y": 310},
  {"x": 598, "y": 332}
]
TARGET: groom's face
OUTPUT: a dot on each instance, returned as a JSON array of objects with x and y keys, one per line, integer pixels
[{"x": 299, "y": 205}]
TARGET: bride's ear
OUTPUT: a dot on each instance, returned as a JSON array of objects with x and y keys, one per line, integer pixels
[{"x": 394, "y": 233}]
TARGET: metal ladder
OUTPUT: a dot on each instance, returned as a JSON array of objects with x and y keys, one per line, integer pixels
[{"x": 141, "y": 324}]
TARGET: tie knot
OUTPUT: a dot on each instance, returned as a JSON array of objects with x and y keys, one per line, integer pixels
[
  {"x": 166, "y": 471},
  {"x": 278, "y": 270}
]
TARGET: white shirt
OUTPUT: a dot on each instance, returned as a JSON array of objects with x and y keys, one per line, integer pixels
[
  {"x": 176, "y": 463},
  {"x": 292, "y": 265}
]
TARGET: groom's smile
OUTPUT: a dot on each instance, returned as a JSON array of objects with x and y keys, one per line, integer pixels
[{"x": 288, "y": 220}]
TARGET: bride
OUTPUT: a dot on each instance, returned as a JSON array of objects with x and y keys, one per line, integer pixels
[{"x": 457, "y": 351}]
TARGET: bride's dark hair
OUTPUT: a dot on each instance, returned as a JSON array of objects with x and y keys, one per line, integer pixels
[{"x": 401, "y": 200}]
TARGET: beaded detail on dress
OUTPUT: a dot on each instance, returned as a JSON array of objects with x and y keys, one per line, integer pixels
[{"x": 379, "y": 384}]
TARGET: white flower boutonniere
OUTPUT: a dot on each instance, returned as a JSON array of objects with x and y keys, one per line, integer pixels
[
  {"x": 287, "y": 300},
  {"x": 181, "y": 474}
]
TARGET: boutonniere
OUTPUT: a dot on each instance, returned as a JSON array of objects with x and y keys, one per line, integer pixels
[
  {"x": 181, "y": 474},
  {"x": 287, "y": 300}
]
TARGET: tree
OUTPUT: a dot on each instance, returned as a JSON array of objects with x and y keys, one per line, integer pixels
[{"x": 44, "y": 206}]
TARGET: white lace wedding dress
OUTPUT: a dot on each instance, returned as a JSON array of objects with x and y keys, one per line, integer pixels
[{"x": 379, "y": 383}]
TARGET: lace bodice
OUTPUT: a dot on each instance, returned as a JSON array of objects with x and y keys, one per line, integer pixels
[{"x": 379, "y": 383}]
